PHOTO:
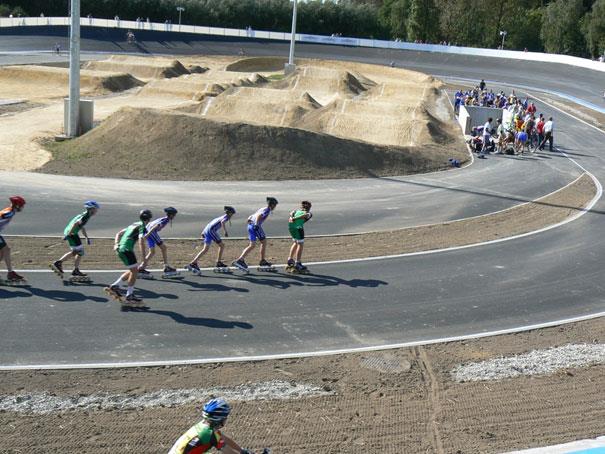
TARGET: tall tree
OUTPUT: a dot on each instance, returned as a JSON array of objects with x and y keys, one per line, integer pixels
[
  {"x": 593, "y": 28},
  {"x": 423, "y": 21},
  {"x": 561, "y": 27},
  {"x": 393, "y": 15}
]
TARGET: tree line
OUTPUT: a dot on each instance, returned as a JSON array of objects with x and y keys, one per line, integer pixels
[{"x": 574, "y": 27}]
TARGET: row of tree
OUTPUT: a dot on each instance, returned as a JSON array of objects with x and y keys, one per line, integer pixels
[{"x": 575, "y": 27}]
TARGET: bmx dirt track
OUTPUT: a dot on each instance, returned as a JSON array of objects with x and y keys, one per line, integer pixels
[{"x": 416, "y": 409}]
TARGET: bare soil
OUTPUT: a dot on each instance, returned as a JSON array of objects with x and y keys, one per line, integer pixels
[
  {"x": 134, "y": 143},
  {"x": 524, "y": 218},
  {"x": 412, "y": 406}
]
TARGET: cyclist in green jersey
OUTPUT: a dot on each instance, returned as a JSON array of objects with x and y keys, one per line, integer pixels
[
  {"x": 124, "y": 245},
  {"x": 295, "y": 226},
  {"x": 71, "y": 235},
  {"x": 206, "y": 434}
]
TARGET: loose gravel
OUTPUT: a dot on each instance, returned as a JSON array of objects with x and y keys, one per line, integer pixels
[
  {"x": 537, "y": 362},
  {"x": 47, "y": 403}
]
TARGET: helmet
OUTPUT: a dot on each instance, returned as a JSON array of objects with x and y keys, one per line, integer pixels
[
  {"x": 17, "y": 200},
  {"x": 216, "y": 411},
  {"x": 145, "y": 215},
  {"x": 91, "y": 204},
  {"x": 229, "y": 210},
  {"x": 272, "y": 201},
  {"x": 306, "y": 204},
  {"x": 170, "y": 210}
]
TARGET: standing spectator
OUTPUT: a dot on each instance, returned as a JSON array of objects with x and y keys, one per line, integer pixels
[
  {"x": 540, "y": 130},
  {"x": 482, "y": 85},
  {"x": 531, "y": 108},
  {"x": 487, "y": 128},
  {"x": 548, "y": 135}
]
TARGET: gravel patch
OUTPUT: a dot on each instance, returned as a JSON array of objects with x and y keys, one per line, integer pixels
[
  {"x": 537, "y": 362},
  {"x": 47, "y": 403}
]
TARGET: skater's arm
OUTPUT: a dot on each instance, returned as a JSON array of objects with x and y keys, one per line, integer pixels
[
  {"x": 143, "y": 246},
  {"x": 85, "y": 233},
  {"x": 117, "y": 239},
  {"x": 230, "y": 447},
  {"x": 225, "y": 229},
  {"x": 150, "y": 231}
]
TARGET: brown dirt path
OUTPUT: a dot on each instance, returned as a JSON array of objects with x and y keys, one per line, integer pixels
[{"x": 374, "y": 408}]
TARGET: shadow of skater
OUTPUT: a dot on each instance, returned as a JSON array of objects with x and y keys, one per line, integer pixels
[
  {"x": 149, "y": 295},
  {"x": 322, "y": 280},
  {"x": 64, "y": 295},
  {"x": 6, "y": 294},
  {"x": 199, "y": 321},
  {"x": 196, "y": 286}
]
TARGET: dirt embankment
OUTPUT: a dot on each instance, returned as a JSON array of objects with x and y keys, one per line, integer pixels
[
  {"x": 135, "y": 143},
  {"x": 140, "y": 67},
  {"x": 35, "y": 82}
]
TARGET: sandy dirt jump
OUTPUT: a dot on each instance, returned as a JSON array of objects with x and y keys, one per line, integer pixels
[
  {"x": 33, "y": 82},
  {"x": 319, "y": 122}
]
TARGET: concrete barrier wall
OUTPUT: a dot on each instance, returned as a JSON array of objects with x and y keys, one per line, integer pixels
[
  {"x": 471, "y": 116},
  {"x": 319, "y": 39}
]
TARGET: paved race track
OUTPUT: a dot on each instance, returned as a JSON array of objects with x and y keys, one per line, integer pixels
[{"x": 536, "y": 279}]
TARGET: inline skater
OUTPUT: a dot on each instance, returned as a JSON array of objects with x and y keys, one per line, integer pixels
[
  {"x": 256, "y": 233},
  {"x": 124, "y": 246},
  {"x": 6, "y": 215},
  {"x": 71, "y": 235},
  {"x": 295, "y": 226},
  {"x": 210, "y": 234},
  {"x": 206, "y": 434},
  {"x": 153, "y": 239}
]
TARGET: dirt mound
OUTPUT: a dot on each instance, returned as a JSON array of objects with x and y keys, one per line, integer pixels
[
  {"x": 199, "y": 86},
  {"x": 137, "y": 143},
  {"x": 258, "y": 64},
  {"x": 57, "y": 80},
  {"x": 140, "y": 67}
]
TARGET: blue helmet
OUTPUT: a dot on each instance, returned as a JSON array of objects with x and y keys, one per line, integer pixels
[
  {"x": 216, "y": 411},
  {"x": 91, "y": 204}
]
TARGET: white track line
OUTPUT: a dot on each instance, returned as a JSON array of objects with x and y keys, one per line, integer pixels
[
  {"x": 580, "y": 212},
  {"x": 234, "y": 359}
]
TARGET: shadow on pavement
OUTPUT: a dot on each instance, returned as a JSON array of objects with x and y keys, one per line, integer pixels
[
  {"x": 311, "y": 280},
  {"x": 6, "y": 294},
  {"x": 199, "y": 321},
  {"x": 64, "y": 295},
  {"x": 199, "y": 287}
]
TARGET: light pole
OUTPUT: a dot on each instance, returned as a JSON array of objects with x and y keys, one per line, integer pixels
[
  {"x": 73, "y": 111},
  {"x": 503, "y": 33},
  {"x": 290, "y": 66},
  {"x": 180, "y": 9}
]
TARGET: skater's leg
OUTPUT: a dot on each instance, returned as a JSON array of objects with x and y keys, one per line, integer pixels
[
  {"x": 201, "y": 253},
  {"x": 123, "y": 277},
  {"x": 6, "y": 255},
  {"x": 221, "y": 248},
  {"x": 299, "y": 251},
  {"x": 68, "y": 255},
  {"x": 248, "y": 249},
  {"x": 164, "y": 252},
  {"x": 263, "y": 249},
  {"x": 292, "y": 251},
  {"x": 77, "y": 261}
]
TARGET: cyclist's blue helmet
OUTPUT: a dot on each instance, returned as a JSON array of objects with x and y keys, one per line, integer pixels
[
  {"x": 91, "y": 204},
  {"x": 216, "y": 411}
]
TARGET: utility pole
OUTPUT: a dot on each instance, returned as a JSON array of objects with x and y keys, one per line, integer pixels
[
  {"x": 180, "y": 9},
  {"x": 503, "y": 34},
  {"x": 290, "y": 66},
  {"x": 73, "y": 113}
]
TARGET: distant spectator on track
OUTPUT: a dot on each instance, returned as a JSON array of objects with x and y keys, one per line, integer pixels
[
  {"x": 482, "y": 85},
  {"x": 548, "y": 135}
]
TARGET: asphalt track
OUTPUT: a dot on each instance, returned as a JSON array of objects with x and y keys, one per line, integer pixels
[{"x": 536, "y": 279}]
